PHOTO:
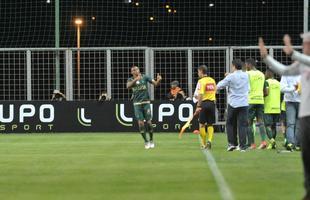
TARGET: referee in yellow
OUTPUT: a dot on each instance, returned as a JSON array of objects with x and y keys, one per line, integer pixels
[{"x": 206, "y": 105}]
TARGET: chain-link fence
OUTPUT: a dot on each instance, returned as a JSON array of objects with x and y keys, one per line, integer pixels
[
  {"x": 30, "y": 74},
  {"x": 43, "y": 73},
  {"x": 13, "y": 79}
]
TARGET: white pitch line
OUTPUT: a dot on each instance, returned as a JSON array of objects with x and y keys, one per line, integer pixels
[{"x": 225, "y": 191}]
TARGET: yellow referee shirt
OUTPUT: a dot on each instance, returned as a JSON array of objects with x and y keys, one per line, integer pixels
[{"x": 207, "y": 88}]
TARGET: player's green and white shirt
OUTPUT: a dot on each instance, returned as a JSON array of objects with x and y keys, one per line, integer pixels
[{"x": 139, "y": 90}]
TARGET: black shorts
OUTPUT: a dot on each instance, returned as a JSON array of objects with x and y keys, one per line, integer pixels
[
  {"x": 271, "y": 119},
  {"x": 256, "y": 110},
  {"x": 207, "y": 114}
]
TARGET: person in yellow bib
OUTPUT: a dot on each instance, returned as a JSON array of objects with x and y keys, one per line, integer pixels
[
  {"x": 206, "y": 105},
  {"x": 256, "y": 103},
  {"x": 272, "y": 108}
]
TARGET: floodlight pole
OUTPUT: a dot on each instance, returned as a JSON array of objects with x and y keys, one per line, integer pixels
[
  {"x": 57, "y": 43},
  {"x": 78, "y": 23}
]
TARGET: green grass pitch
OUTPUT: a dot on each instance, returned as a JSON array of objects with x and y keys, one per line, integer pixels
[{"x": 116, "y": 167}]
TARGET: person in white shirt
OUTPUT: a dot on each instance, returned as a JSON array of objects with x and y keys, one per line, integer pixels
[
  {"x": 237, "y": 115},
  {"x": 300, "y": 66},
  {"x": 289, "y": 86}
]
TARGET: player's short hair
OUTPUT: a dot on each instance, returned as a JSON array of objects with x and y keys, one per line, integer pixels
[
  {"x": 270, "y": 71},
  {"x": 174, "y": 83},
  {"x": 237, "y": 63},
  {"x": 134, "y": 66},
  {"x": 203, "y": 69},
  {"x": 251, "y": 61}
]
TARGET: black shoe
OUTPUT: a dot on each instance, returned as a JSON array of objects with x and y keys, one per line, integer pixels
[
  {"x": 297, "y": 148},
  {"x": 290, "y": 147},
  {"x": 307, "y": 197},
  {"x": 231, "y": 147}
]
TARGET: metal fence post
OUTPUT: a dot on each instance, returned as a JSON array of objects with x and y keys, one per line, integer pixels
[
  {"x": 57, "y": 44},
  {"x": 69, "y": 79},
  {"x": 29, "y": 94},
  {"x": 231, "y": 57},
  {"x": 149, "y": 69},
  {"x": 57, "y": 72},
  {"x": 306, "y": 16},
  {"x": 109, "y": 71},
  {"x": 190, "y": 72},
  {"x": 227, "y": 60}
]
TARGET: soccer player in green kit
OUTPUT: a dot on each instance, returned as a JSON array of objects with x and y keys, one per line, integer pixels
[
  {"x": 256, "y": 103},
  {"x": 272, "y": 107},
  {"x": 141, "y": 102}
]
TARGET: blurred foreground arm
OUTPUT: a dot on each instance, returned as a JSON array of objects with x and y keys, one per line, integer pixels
[
  {"x": 274, "y": 64},
  {"x": 295, "y": 55}
]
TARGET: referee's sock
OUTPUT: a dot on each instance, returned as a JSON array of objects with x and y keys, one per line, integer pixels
[
  {"x": 210, "y": 133},
  {"x": 203, "y": 135}
]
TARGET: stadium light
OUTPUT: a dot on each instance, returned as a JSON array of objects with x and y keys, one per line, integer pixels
[
  {"x": 211, "y": 5},
  {"x": 78, "y": 22},
  {"x": 137, "y": 3},
  {"x": 152, "y": 18}
]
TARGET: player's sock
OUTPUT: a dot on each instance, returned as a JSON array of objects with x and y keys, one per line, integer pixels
[
  {"x": 254, "y": 129},
  {"x": 274, "y": 133},
  {"x": 250, "y": 135},
  {"x": 269, "y": 132},
  {"x": 203, "y": 135},
  {"x": 150, "y": 130},
  {"x": 142, "y": 131},
  {"x": 210, "y": 133},
  {"x": 262, "y": 131}
]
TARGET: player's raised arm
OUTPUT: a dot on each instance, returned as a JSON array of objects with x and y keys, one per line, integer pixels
[
  {"x": 295, "y": 55},
  {"x": 131, "y": 83},
  {"x": 274, "y": 64},
  {"x": 288, "y": 48},
  {"x": 301, "y": 58},
  {"x": 157, "y": 81}
]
